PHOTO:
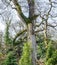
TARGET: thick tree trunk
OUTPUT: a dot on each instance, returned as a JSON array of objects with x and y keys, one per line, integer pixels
[
  {"x": 31, "y": 35},
  {"x": 32, "y": 40}
]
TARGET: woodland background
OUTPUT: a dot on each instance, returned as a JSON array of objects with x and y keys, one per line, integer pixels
[{"x": 28, "y": 34}]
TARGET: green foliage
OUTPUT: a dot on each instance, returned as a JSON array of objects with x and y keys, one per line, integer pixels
[
  {"x": 7, "y": 38},
  {"x": 41, "y": 50},
  {"x": 53, "y": 59},
  {"x": 51, "y": 55},
  {"x": 50, "y": 50},
  {"x": 18, "y": 49},
  {"x": 10, "y": 59},
  {"x": 26, "y": 55}
]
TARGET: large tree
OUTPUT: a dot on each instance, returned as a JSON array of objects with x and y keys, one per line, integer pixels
[{"x": 30, "y": 25}]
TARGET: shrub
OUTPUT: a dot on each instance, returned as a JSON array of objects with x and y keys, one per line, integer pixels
[
  {"x": 51, "y": 55},
  {"x": 50, "y": 50},
  {"x": 26, "y": 55},
  {"x": 53, "y": 59},
  {"x": 10, "y": 59}
]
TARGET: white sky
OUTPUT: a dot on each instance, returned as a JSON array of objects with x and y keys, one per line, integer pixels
[{"x": 2, "y": 27}]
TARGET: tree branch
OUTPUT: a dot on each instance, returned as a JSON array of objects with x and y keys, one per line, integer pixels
[
  {"x": 53, "y": 26},
  {"x": 20, "y": 13},
  {"x": 18, "y": 34}
]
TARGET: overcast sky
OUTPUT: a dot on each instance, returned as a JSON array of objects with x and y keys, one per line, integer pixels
[
  {"x": 15, "y": 17},
  {"x": 2, "y": 27},
  {"x": 42, "y": 5}
]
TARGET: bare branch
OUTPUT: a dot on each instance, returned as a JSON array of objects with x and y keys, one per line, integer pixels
[
  {"x": 18, "y": 34},
  {"x": 53, "y": 26}
]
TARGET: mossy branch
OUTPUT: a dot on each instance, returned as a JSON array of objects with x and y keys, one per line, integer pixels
[
  {"x": 23, "y": 17},
  {"x": 18, "y": 34},
  {"x": 18, "y": 8}
]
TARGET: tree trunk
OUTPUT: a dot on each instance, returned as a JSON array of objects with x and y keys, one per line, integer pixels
[
  {"x": 45, "y": 33},
  {"x": 31, "y": 34},
  {"x": 32, "y": 40}
]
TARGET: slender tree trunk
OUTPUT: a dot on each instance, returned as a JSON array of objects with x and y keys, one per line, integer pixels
[{"x": 45, "y": 33}]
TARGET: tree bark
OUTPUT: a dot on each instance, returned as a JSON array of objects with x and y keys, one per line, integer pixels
[
  {"x": 32, "y": 41},
  {"x": 31, "y": 34}
]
